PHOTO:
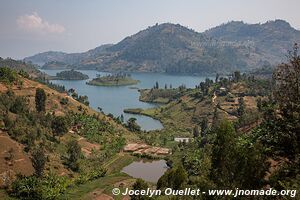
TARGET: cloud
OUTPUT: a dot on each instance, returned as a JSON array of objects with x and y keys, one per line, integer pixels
[{"x": 34, "y": 23}]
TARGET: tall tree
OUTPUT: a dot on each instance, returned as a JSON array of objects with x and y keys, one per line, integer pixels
[
  {"x": 287, "y": 85},
  {"x": 241, "y": 108},
  {"x": 38, "y": 161},
  {"x": 40, "y": 100},
  {"x": 237, "y": 76},
  {"x": 222, "y": 154},
  {"x": 156, "y": 85},
  {"x": 204, "y": 126},
  {"x": 196, "y": 132},
  {"x": 74, "y": 153},
  {"x": 59, "y": 125},
  {"x": 139, "y": 185},
  {"x": 173, "y": 178}
]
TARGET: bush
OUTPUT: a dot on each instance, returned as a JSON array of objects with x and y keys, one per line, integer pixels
[
  {"x": 7, "y": 75},
  {"x": 47, "y": 188}
]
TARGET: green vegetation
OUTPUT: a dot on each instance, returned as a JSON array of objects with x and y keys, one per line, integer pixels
[
  {"x": 174, "y": 178},
  {"x": 82, "y": 99},
  {"x": 132, "y": 125},
  {"x": 7, "y": 75},
  {"x": 236, "y": 154},
  {"x": 26, "y": 70},
  {"x": 49, "y": 187},
  {"x": 113, "y": 80},
  {"x": 139, "y": 185},
  {"x": 243, "y": 131},
  {"x": 74, "y": 153},
  {"x": 38, "y": 161},
  {"x": 58, "y": 88},
  {"x": 40, "y": 100},
  {"x": 70, "y": 75},
  {"x": 46, "y": 137},
  {"x": 159, "y": 95}
]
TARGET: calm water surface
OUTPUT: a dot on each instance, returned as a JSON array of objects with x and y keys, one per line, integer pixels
[
  {"x": 115, "y": 99},
  {"x": 149, "y": 171}
]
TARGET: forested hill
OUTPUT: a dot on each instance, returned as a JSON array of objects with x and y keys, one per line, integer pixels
[{"x": 177, "y": 49}]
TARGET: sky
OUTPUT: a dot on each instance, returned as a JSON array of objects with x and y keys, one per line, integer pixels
[{"x": 33, "y": 26}]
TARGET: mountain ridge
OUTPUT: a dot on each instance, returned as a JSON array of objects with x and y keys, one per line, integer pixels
[{"x": 174, "y": 48}]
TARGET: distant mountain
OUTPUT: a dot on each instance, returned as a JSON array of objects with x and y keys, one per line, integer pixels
[
  {"x": 65, "y": 58},
  {"x": 177, "y": 49},
  {"x": 272, "y": 39}
]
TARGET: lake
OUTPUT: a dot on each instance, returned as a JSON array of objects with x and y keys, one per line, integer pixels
[
  {"x": 117, "y": 98},
  {"x": 149, "y": 171}
]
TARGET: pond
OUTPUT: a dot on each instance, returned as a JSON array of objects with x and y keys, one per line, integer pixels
[
  {"x": 115, "y": 99},
  {"x": 149, "y": 171}
]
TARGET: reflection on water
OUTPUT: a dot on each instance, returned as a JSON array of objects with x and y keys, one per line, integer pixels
[{"x": 149, "y": 171}]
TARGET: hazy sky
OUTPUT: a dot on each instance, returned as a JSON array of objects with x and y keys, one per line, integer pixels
[{"x": 33, "y": 26}]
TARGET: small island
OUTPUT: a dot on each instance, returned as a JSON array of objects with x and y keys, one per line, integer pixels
[
  {"x": 70, "y": 75},
  {"x": 120, "y": 79}
]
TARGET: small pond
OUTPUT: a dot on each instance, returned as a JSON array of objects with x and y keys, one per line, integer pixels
[{"x": 149, "y": 171}]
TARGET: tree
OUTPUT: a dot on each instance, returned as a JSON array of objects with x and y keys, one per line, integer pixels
[
  {"x": 222, "y": 154},
  {"x": 215, "y": 120},
  {"x": 7, "y": 75},
  {"x": 74, "y": 153},
  {"x": 156, "y": 85},
  {"x": 281, "y": 129},
  {"x": 287, "y": 85},
  {"x": 196, "y": 132},
  {"x": 217, "y": 78},
  {"x": 139, "y": 185},
  {"x": 237, "y": 76},
  {"x": 241, "y": 108},
  {"x": 122, "y": 118},
  {"x": 59, "y": 125},
  {"x": 19, "y": 105},
  {"x": 38, "y": 161},
  {"x": 132, "y": 125},
  {"x": 259, "y": 104},
  {"x": 204, "y": 126},
  {"x": 40, "y": 100},
  {"x": 174, "y": 178}
]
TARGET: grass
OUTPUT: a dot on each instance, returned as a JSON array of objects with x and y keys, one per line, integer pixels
[
  {"x": 5, "y": 196},
  {"x": 118, "y": 162},
  {"x": 105, "y": 184}
]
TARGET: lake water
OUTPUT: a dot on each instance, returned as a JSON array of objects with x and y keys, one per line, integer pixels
[
  {"x": 115, "y": 99},
  {"x": 149, "y": 171}
]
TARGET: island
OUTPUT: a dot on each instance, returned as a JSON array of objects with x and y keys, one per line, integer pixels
[
  {"x": 70, "y": 75},
  {"x": 119, "y": 79}
]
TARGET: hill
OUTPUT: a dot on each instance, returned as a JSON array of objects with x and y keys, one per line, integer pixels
[
  {"x": 28, "y": 68},
  {"x": 113, "y": 80},
  {"x": 272, "y": 39},
  {"x": 24, "y": 130},
  {"x": 174, "y": 48},
  {"x": 70, "y": 75}
]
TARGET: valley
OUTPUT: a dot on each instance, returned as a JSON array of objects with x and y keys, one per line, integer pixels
[{"x": 162, "y": 107}]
